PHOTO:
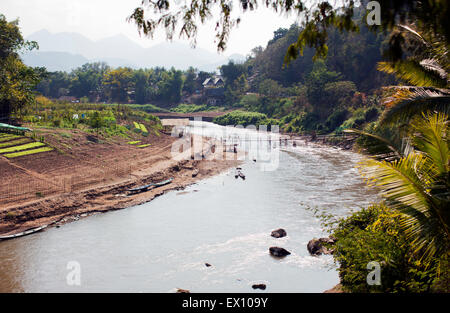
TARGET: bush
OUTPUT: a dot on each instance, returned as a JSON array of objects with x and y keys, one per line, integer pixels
[
  {"x": 374, "y": 234},
  {"x": 57, "y": 123},
  {"x": 336, "y": 119}
]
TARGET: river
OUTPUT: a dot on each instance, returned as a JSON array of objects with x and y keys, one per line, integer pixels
[{"x": 226, "y": 222}]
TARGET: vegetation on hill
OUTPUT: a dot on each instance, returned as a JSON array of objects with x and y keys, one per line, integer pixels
[{"x": 16, "y": 79}]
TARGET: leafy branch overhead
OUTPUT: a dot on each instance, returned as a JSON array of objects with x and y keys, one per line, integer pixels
[{"x": 315, "y": 18}]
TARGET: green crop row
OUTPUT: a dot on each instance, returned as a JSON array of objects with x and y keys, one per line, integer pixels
[
  {"x": 22, "y": 147},
  {"x": 141, "y": 127},
  {"x": 28, "y": 152},
  {"x": 9, "y": 137},
  {"x": 14, "y": 142}
]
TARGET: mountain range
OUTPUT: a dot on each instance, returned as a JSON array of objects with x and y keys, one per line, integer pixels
[{"x": 66, "y": 51}]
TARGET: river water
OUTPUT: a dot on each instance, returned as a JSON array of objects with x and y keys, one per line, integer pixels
[{"x": 223, "y": 221}]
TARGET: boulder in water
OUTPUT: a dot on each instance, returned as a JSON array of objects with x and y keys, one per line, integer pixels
[
  {"x": 259, "y": 286},
  {"x": 278, "y": 252},
  {"x": 279, "y": 233},
  {"x": 318, "y": 246}
]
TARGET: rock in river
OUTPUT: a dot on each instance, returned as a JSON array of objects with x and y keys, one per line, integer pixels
[
  {"x": 259, "y": 286},
  {"x": 279, "y": 233},
  {"x": 278, "y": 252},
  {"x": 317, "y": 247}
]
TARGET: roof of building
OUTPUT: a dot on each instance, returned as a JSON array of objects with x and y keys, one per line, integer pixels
[{"x": 213, "y": 81}]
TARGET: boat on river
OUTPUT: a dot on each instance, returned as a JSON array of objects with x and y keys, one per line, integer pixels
[
  {"x": 24, "y": 233},
  {"x": 147, "y": 187}
]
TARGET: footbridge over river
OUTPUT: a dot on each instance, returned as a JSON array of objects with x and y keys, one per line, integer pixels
[{"x": 206, "y": 116}]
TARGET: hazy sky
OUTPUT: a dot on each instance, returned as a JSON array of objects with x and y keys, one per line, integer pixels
[{"x": 97, "y": 19}]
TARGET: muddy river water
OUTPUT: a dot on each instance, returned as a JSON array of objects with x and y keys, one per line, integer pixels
[{"x": 223, "y": 221}]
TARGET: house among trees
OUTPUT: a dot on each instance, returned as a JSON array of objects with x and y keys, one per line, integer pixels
[
  {"x": 214, "y": 91},
  {"x": 213, "y": 82}
]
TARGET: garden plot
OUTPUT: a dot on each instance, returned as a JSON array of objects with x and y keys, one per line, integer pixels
[
  {"x": 141, "y": 127},
  {"x": 12, "y": 146}
]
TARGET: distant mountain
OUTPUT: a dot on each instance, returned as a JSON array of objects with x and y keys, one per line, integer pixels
[
  {"x": 117, "y": 51},
  {"x": 54, "y": 61}
]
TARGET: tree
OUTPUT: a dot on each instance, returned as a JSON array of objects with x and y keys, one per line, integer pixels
[
  {"x": 87, "y": 80},
  {"x": 118, "y": 83},
  {"x": 270, "y": 88},
  {"x": 142, "y": 86},
  {"x": 170, "y": 85},
  {"x": 190, "y": 81},
  {"x": 339, "y": 94},
  {"x": 17, "y": 80},
  {"x": 317, "y": 19},
  {"x": 315, "y": 82},
  {"x": 232, "y": 71},
  {"x": 55, "y": 84},
  {"x": 427, "y": 68},
  {"x": 278, "y": 34},
  {"x": 417, "y": 185}
]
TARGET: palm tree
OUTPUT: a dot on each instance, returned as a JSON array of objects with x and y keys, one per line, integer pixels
[
  {"x": 426, "y": 68},
  {"x": 417, "y": 185}
]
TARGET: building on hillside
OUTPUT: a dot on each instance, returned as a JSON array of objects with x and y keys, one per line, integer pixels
[
  {"x": 214, "y": 90},
  {"x": 215, "y": 96},
  {"x": 214, "y": 82}
]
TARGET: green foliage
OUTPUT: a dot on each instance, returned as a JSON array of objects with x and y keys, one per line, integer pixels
[
  {"x": 16, "y": 79},
  {"x": 417, "y": 185},
  {"x": 149, "y": 108},
  {"x": 28, "y": 152},
  {"x": 192, "y": 108},
  {"x": 245, "y": 118},
  {"x": 22, "y": 147},
  {"x": 374, "y": 234},
  {"x": 318, "y": 20},
  {"x": 336, "y": 119}
]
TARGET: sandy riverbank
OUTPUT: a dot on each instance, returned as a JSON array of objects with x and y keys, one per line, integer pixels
[{"x": 84, "y": 177}]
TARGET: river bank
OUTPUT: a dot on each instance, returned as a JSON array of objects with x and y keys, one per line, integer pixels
[{"x": 86, "y": 177}]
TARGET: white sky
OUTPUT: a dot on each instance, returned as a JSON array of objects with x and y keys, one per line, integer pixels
[{"x": 98, "y": 19}]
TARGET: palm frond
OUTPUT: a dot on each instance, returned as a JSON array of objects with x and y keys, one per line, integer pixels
[
  {"x": 415, "y": 33},
  {"x": 405, "y": 184},
  {"x": 433, "y": 65},
  {"x": 424, "y": 233},
  {"x": 406, "y": 103},
  {"x": 379, "y": 147},
  {"x": 417, "y": 73},
  {"x": 399, "y": 181},
  {"x": 431, "y": 138}
]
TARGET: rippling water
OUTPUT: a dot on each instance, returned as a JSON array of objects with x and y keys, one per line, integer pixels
[{"x": 164, "y": 244}]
